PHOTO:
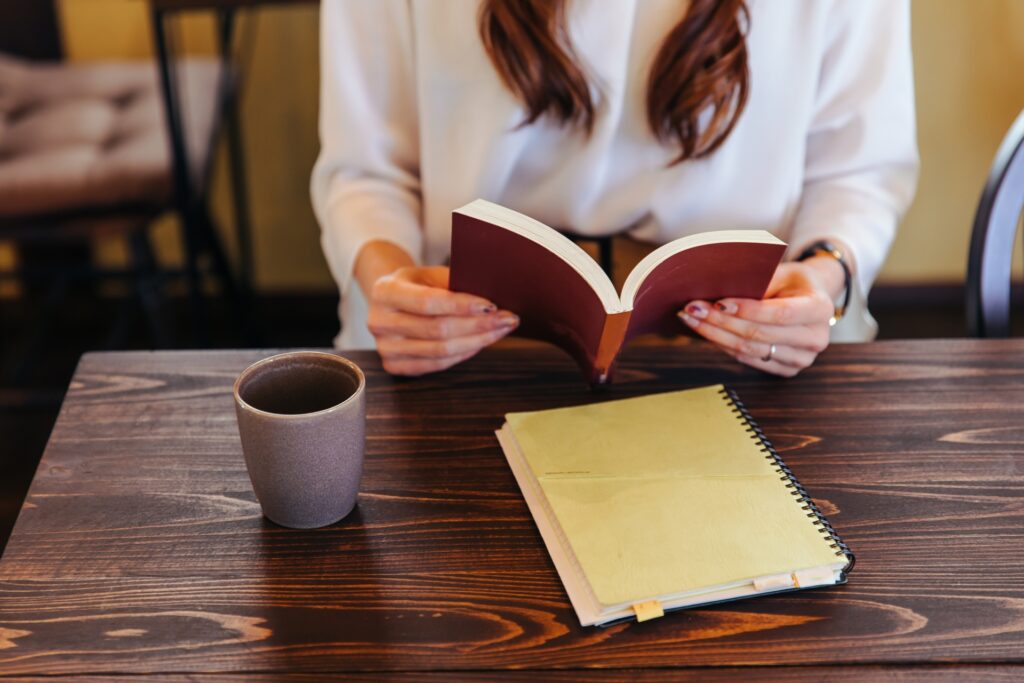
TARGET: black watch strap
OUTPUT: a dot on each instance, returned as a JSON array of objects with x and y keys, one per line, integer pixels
[{"x": 827, "y": 248}]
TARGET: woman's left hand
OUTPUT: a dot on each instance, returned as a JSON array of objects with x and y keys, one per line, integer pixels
[{"x": 793, "y": 317}]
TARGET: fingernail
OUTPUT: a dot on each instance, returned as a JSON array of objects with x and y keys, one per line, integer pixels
[
  {"x": 729, "y": 307},
  {"x": 697, "y": 310},
  {"x": 688, "y": 319},
  {"x": 486, "y": 308},
  {"x": 508, "y": 320}
]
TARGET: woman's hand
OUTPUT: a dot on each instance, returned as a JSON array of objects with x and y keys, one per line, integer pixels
[
  {"x": 423, "y": 327},
  {"x": 793, "y": 316}
]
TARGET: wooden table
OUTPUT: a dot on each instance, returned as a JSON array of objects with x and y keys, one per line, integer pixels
[{"x": 141, "y": 549}]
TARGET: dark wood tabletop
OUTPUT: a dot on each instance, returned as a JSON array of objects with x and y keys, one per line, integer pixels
[{"x": 141, "y": 548}]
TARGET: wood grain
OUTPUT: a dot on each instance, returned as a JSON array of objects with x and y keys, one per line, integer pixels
[
  {"x": 141, "y": 548},
  {"x": 792, "y": 674}
]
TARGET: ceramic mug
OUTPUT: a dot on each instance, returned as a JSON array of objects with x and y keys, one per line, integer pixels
[{"x": 302, "y": 421}]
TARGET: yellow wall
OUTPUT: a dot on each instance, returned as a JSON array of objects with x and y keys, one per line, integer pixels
[
  {"x": 969, "y": 58},
  {"x": 969, "y": 68}
]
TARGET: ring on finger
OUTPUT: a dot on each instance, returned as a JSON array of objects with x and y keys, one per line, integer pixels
[{"x": 771, "y": 353}]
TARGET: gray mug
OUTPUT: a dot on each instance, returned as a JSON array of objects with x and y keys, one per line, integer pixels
[{"x": 302, "y": 419}]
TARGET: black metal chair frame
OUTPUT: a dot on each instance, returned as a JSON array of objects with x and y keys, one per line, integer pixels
[
  {"x": 199, "y": 234},
  {"x": 989, "y": 263}
]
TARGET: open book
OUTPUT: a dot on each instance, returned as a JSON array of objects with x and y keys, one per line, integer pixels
[
  {"x": 561, "y": 294},
  {"x": 667, "y": 501}
]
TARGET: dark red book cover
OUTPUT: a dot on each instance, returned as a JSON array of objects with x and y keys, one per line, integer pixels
[{"x": 556, "y": 304}]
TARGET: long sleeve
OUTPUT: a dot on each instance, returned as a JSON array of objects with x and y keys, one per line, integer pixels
[
  {"x": 416, "y": 121},
  {"x": 365, "y": 184},
  {"x": 861, "y": 156}
]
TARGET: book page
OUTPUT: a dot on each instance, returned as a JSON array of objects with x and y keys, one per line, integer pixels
[
  {"x": 664, "y": 494},
  {"x": 653, "y": 260},
  {"x": 553, "y": 302},
  {"x": 741, "y": 268},
  {"x": 553, "y": 241}
]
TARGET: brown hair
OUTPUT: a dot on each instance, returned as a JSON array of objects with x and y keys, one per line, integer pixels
[{"x": 702, "y": 66}]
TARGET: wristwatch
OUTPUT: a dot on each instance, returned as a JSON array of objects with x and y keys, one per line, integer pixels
[{"x": 824, "y": 247}]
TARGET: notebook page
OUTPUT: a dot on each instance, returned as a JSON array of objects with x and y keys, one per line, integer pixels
[{"x": 665, "y": 494}]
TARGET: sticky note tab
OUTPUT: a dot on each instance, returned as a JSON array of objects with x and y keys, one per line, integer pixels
[
  {"x": 814, "y": 577},
  {"x": 774, "y": 582},
  {"x": 648, "y": 610}
]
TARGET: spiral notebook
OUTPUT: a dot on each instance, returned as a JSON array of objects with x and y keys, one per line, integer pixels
[{"x": 667, "y": 501}]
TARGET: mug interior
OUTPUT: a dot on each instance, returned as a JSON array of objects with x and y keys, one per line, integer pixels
[{"x": 296, "y": 384}]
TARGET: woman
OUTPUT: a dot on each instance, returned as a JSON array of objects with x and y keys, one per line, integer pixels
[{"x": 659, "y": 117}]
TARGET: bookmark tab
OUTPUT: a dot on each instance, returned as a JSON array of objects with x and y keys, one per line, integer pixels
[
  {"x": 774, "y": 582},
  {"x": 813, "y": 577},
  {"x": 648, "y": 610}
]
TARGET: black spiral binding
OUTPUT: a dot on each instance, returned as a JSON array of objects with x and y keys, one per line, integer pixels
[{"x": 798, "y": 491}]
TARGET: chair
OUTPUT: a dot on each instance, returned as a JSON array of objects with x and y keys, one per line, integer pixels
[
  {"x": 84, "y": 155},
  {"x": 995, "y": 229}
]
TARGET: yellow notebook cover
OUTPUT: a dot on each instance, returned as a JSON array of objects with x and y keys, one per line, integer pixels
[{"x": 667, "y": 501}]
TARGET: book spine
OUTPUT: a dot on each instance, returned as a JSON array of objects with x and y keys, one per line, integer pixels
[
  {"x": 613, "y": 335},
  {"x": 799, "y": 493}
]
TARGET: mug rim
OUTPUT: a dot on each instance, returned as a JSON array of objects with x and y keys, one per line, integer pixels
[{"x": 277, "y": 357}]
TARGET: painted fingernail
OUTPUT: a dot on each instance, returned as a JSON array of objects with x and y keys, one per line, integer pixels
[
  {"x": 486, "y": 308},
  {"x": 729, "y": 307},
  {"x": 508, "y": 320},
  {"x": 688, "y": 319},
  {"x": 697, "y": 310}
]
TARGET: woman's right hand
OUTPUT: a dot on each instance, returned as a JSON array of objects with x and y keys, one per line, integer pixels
[{"x": 423, "y": 327}]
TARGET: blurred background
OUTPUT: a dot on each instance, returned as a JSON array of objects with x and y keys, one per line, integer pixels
[{"x": 130, "y": 251}]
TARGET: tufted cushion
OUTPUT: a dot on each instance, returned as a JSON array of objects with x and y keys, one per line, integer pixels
[{"x": 89, "y": 136}]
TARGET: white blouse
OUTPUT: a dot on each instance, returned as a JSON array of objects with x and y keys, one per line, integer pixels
[{"x": 414, "y": 122}]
